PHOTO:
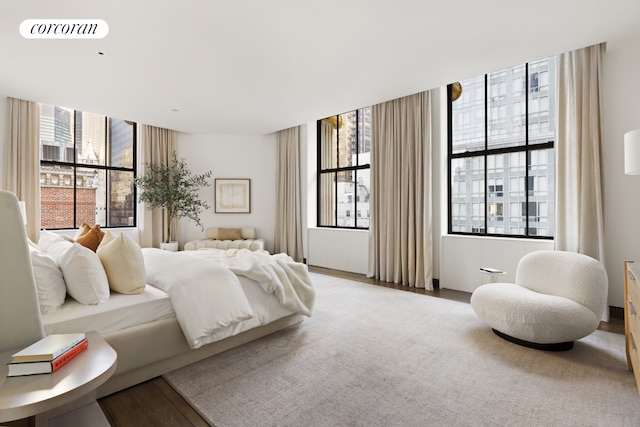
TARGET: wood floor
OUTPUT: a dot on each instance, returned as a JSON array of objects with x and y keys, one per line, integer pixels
[
  {"x": 156, "y": 403},
  {"x": 152, "y": 403}
]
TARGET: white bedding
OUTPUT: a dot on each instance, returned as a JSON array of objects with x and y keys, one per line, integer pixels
[
  {"x": 119, "y": 312},
  {"x": 277, "y": 274},
  {"x": 125, "y": 311},
  {"x": 209, "y": 301},
  {"x": 207, "y": 296}
]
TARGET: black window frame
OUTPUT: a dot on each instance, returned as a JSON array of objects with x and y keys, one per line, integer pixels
[
  {"x": 75, "y": 164},
  {"x": 527, "y": 148},
  {"x": 338, "y": 169}
]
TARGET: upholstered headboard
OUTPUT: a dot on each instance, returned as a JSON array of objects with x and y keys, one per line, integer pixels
[{"x": 19, "y": 311}]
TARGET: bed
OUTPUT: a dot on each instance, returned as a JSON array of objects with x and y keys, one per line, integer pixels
[
  {"x": 193, "y": 304},
  {"x": 154, "y": 330}
]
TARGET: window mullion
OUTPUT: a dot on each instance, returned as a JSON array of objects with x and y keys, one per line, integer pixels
[
  {"x": 355, "y": 197},
  {"x": 75, "y": 168},
  {"x": 319, "y": 169},
  {"x": 107, "y": 163},
  {"x": 335, "y": 176},
  {"x": 355, "y": 172},
  {"x": 526, "y": 143},
  {"x": 486, "y": 148}
]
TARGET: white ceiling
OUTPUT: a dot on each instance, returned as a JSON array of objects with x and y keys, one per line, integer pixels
[{"x": 258, "y": 66}]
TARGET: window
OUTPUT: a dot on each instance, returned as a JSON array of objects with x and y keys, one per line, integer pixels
[
  {"x": 87, "y": 166},
  {"x": 344, "y": 153},
  {"x": 501, "y": 160}
]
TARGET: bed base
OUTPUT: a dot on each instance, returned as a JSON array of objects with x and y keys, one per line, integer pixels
[{"x": 153, "y": 349}]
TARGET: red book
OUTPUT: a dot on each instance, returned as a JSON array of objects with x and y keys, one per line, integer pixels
[{"x": 32, "y": 368}]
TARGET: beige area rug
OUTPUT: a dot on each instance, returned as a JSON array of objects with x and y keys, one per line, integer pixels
[{"x": 374, "y": 356}]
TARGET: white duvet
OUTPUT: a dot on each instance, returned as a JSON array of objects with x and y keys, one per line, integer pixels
[
  {"x": 276, "y": 274},
  {"x": 206, "y": 293}
]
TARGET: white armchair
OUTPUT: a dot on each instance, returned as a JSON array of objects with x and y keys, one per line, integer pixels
[{"x": 558, "y": 297}]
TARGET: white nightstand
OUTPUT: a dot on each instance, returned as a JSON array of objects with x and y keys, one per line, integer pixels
[{"x": 65, "y": 397}]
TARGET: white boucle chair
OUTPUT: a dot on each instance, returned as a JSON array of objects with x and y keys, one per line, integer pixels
[{"x": 558, "y": 297}]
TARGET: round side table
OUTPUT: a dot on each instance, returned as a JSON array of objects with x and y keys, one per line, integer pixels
[{"x": 56, "y": 398}]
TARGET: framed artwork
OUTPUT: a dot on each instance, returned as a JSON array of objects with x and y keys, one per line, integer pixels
[{"x": 232, "y": 195}]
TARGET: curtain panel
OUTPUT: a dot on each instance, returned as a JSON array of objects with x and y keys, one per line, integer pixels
[
  {"x": 400, "y": 243},
  {"x": 579, "y": 206},
  {"x": 156, "y": 146},
  {"x": 288, "y": 233},
  {"x": 22, "y": 160}
]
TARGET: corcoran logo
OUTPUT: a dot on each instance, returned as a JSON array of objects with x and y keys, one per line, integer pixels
[{"x": 64, "y": 29}]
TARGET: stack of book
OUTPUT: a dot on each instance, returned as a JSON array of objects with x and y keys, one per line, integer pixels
[{"x": 47, "y": 355}]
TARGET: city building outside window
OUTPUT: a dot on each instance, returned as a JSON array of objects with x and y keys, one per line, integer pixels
[
  {"x": 87, "y": 167},
  {"x": 344, "y": 156},
  {"x": 501, "y": 159}
]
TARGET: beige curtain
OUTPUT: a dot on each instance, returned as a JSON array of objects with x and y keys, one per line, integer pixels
[
  {"x": 579, "y": 220},
  {"x": 22, "y": 159},
  {"x": 288, "y": 238},
  {"x": 400, "y": 243},
  {"x": 327, "y": 186},
  {"x": 156, "y": 146}
]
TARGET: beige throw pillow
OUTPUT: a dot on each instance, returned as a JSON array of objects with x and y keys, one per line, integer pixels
[
  {"x": 123, "y": 262},
  {"x": 211, "y": 233},
  {"x": 229, "y": 234},
  {"x": 248, "y": 233}
]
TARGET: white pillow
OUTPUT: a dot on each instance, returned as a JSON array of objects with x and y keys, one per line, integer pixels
[
  {"x": 57, "y": 247},
  {"x": 83, "y": 274},
  {"x": 123, "y": 262},
  {"x": 48, "y": 238},
  {"x": 49, "y": 281}
]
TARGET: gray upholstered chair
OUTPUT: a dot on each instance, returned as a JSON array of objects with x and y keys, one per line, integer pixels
[
  {"x": 557, "y": 298},
  {"x": 19, "y": 310}
]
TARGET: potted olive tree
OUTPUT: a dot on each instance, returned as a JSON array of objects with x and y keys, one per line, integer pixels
[{"x": 175, "y": 189}]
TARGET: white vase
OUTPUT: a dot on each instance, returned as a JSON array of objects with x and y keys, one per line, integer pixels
[{"x": 170, "y": 246}]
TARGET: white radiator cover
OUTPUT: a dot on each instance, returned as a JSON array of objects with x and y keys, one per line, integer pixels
[
  {"x": 339, "y": 249},
  {"x": 462, "y": 257}
]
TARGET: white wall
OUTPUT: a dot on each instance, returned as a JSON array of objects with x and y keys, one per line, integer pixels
[
  {"x": 621, "y": 192},
  {"x": 235, "y": 156}
]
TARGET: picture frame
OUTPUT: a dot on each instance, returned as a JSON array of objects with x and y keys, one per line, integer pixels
[{"x": 232, "y": 195}]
